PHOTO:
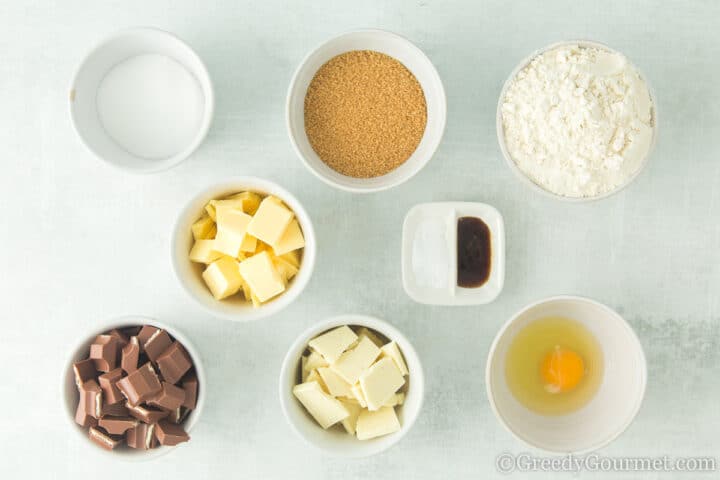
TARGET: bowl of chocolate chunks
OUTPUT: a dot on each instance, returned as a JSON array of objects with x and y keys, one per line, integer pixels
[{"x": 134, "y": 388}]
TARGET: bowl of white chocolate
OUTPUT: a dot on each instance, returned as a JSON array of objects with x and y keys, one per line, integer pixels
[
  {"x": 351, "y": 386},
  {"x": 244, "y": 248}
]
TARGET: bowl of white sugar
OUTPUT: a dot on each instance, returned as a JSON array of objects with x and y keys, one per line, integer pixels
[
  {"x": 142, "y": 100},
  {"x": 577, "y": 121}
]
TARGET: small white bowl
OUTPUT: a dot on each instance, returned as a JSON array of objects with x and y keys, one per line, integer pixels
[
  {"x": 82, "y": 351},
  {"x": 447, "y": 214},
  {"x": 414, "y": 60},
  {"x": 501, "y": 130},
  {"x": 608, "y": 413},
  {"x": 89, "y": 75},
  {"x": 190, "y": 274},
  {"x": 338, "y": 443}
]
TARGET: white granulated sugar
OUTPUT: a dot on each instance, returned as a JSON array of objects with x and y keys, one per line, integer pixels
[
  {"x": 430, "y": 257},
  {"x": 578, "y": 121}
]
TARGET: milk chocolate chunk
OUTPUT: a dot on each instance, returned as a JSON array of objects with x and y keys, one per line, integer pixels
[
  {"x": 91, "y": 398},
  {"x": 103, "y": 352},
  {"x": 170, "y": 434},
  {"x": 145, "y": 333},
  {"x": 115, "y": 409},
  {"x": 142, "y": 436},
  {"x": 104, "y": 439},
  {"x": 84, "y": 370},
  {"x": 130, "y": 355},
  {"x": 117, "y": 425},
  {"x": 157, "y": 344},
  {"x": 140, "y": 385},
  {"x": 147, "y": 414},
  {"x": 173, "y": 363},
  {"x": 108, "y": 384},
  {"x": 121, "y": 337},
  {"x": 82, "y": 417},
  {"x": 190, "y": 385},
  {"x": 169, "y": 398},
  {"x": 178, "y": 415}
]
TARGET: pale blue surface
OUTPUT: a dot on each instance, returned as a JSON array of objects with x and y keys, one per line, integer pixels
[{"x": 82, "y": 242}]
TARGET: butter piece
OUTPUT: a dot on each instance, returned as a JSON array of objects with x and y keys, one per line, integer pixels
[
  {"x": 380, "y": 382},
  {"x": 249, "y": 244},
  {"x": 336, "y": 386},
  {"x": 393, "y": 351},
  {"x": 223, "y": 277},
  {"x": 204, "y": 229},
  {"x": 333, "y": 343},
  {"x": 260, "y": 273},
  {"x": 371, "y": 335},
  {"x": 292, "y": 258},
  {"x": 396, "y": 399},
  {"x": 292, "y": 239},
  {"x": 286, "y": 270},
  {"x": 357, "y": 392},
  {"x": 326, "y": 410},
  {"x": 250, "y": 201},
  {"x": 351, "y": 364},
  {"x": 203, "y": 251},
  {"x": 270, "y": 221},
  {"x": 231, "y": 228},
  {"x": 353, "y": 409},
  {"x": 375, "y": 424}
]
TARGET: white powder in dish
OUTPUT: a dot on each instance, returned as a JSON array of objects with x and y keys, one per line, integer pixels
[
  {"x": 578, "y": 121},
  {"x": 430, "y": 256}
]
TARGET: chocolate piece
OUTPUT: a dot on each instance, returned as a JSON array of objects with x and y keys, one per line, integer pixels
[
  {"x": 142, "y": 436},
  {"x": 170, "y": 434},
  {"x": 130, "y": 355},
  {"x": 147, "y": 414},
  {"x": 178, "y": 415},
  {"x": 84, "y": 370},
  {"x": 108, "y": 384},
  {"x": 145, "y": 333},
  {"x": 140, "y": 385},
  {"x": 131, "y": 331},
  {"x": 157, "y": 344},
  {"x": 190, "y": 385},
  {"x": 169, "y": 398},
  {"x": 91, "y": 398},
  {"x": 82, "y": 417},
  {"x": 103, "y": 352},
  {"x": 115, "y": 409},
  {"x": 174, "y": 363},
  {"x": 117, "y": 425},
  {"x": 120, "y": 336},
  {"x": 105, "y": 440}
]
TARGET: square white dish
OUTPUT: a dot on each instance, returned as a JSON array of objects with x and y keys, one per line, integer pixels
[{"x": 444, "y": 216}]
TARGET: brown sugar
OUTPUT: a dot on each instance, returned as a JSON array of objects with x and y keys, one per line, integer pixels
[{"x": 365, "y": 113}]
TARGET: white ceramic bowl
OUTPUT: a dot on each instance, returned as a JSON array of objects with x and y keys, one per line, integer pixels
[
  {"x": 338, "y": 443},
  {"x": 81, "y": 352},
  {"x": 111, "y": 51},
  {"x": 190, "y": 274},
  {"x": 414, "y": 60},
  {"x": 608, "y": 413},
  {"x": 501, "y": 131}
]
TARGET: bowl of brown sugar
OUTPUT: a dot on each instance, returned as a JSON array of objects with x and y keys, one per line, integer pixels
[{"x": 366, "y": 111}]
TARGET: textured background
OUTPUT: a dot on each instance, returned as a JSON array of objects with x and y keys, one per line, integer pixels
[{"x": 82, "y": 243}]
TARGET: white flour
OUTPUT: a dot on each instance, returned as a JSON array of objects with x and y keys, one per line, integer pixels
[{"x": 578, "y": 121}]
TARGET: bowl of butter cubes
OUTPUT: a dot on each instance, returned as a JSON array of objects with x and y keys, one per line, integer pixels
[
  {"x": 244, "y": 248},
  {"x": 351, "y": 386}
]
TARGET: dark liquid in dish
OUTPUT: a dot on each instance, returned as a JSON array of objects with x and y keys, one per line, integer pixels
[{"x": 473, "y": 252}]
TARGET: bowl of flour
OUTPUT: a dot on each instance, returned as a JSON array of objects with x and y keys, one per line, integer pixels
[{"x": 576, "y": 120}]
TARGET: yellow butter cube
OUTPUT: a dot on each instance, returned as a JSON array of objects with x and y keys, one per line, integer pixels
[
  {"x": 232, "y": 225},
  {"x": 270, "y": 221},
  {"x": 286, "y": 270},
  {"x": 204, "y": 229},
  {"x": 375, "y": 424},
  {"x": 250, "y": 201},
  {"x": 262, "y": 276},
  {"x": 291, "y": 240},
  {"x": 223, "y": 277},
  {"x": 203, "y": 251},
  {"x": 292, "y": 257},
  {"x": 249, "y": 244},
  {"x": 255, "y": 300}
]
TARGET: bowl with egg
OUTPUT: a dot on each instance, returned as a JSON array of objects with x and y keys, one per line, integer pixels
[
  {"x": 243, "y": 248},
  {"x": 351, "y": 386},
  {"x": 366, "y": 111},
  {"x": 566, "y": 374},
  {"x": 576, "y": 121}
]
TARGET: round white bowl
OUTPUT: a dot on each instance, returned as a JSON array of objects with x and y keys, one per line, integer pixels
[
  {"x": 608, "y": 413},
  {"x": 338, "y": 443},
  {"x": 414, "y": 60},
  {"x": 190, "y": 274},
  {"x": 501, "y": 130},
  {"x": 81, "y": 352},
  {"x": 111, "y": 51}
]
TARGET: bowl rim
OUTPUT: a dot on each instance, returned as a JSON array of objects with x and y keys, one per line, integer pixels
[
  {"x": 500, "y": 129},
  {"x": 442, "y": 100},
  {"x": 565, "y": 297},
  {"x": 307, "y": 264},
  {"x": 291, "y": 361},
  {"x": 126, "y": 321},
  {"x": 208, "y": 93}
]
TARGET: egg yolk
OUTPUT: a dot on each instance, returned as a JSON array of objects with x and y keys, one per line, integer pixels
[{"x": 562, "y": 370}]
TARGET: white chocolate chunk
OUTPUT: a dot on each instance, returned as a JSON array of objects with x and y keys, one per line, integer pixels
[
  {"x": 332, "y": 344},
  {"x": 395, "y": 399},
  {"x": 354, "y": 409},
  {"x": 353, "y": 363},
  {"x": 380, "y": 382},
  {"x": 358, "y": 395},
  {"x": 393, "y": 351},
  {"x": 336, "y": 386},
  {"x": 375, "y": 424},
  {"x": 326, "y": 410},
  {"x": 312, "y": 362},
  {"x": 371, "y": 335}
]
